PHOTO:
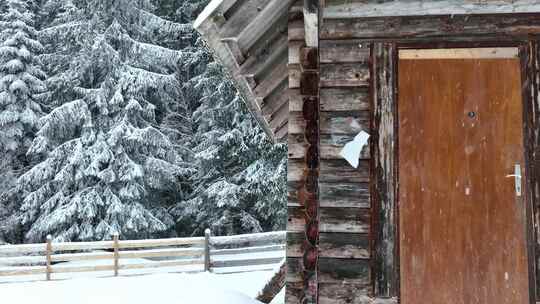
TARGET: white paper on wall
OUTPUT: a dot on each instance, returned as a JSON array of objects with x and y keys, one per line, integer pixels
[{"x": 351, "y": 151}]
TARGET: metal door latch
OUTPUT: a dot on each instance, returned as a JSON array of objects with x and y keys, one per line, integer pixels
[{"x": 517, "y": 179}]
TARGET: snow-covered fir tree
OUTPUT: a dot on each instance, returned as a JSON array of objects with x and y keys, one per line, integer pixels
[
  {"x": 141, "y": 133},
  {"x": 106, "y": 162},
  {"x": 240, "y": 185},
  {"x": 20, "y": 88}
]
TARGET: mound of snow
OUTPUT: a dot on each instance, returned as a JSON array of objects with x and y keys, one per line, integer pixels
[{"x": 199, "y": 288}]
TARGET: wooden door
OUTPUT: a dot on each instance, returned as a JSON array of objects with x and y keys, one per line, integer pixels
[{"x": 461, "y": 222}]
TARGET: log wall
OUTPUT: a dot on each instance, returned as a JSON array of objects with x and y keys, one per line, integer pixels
[
  {"x": 344, "y": 201},
  {"x": 357, "y": 93}
]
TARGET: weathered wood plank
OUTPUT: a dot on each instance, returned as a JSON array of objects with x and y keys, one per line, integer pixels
[
  {"x": 297, "y": 124},
  {"x": 136, "y": 243},
  {"x": 344, "y": 75},
  {"x": 339, "y": 194},
  {"x": 344, "y": 99},
  {"x": 281, "y": 133},
  {"x": 335, "y": 99},
  {"x": 245, "y": 262},
  {"x": 269, "y": 17},
  {"x": 16, "y": 271},
  {"x": 295, "y": 243},
  {"x": 339, "y": 170},
  {"x": 276, "y": 99},
  {"x": 341, "y": 220},
  {"x": 340, "y": 9},
  {"x": 279, "y": 117},
  {"x": 330, "y": 146},
  {"x": 237, "y": 20},
  {"x": 432, "y": 27},
  {"x": 272, "y": 79},
  {"x": 534, "y": 100},
  {"x": 332, "y": 245},
  {"x": 341, "y": 271},
  {"x": 383, "y": 146},
  {"x": 170, "y": 252},
  {"x": 294, "y": 76},
  {"x": 344, "y": 195},
  {"x": 70, "y": 269},
  {"x": 264, "y": 55},
  {"x": 294, "y": 270},
  {"x": 344, "y": 220},
  {"x": 295, "y": 220},
  {"x": 344, "y": 245},
  {"x": 256, "y": 249},
  {"x": 332, "y": 170},
  {"x": 211, "y": 29},
  {"x": 351, "y": 122},
  {"x": 295, "y": 100},
  {"x": 296, "y": 30},
  {"x": 334, "y": 51},
  {"x": 294, "y": 51},
  {"x": 25, "y": 260},
  {"x": 248, "y": 239},
  {"x": 344, "y": 51},
  {"x": 155, "y": 264},
  {"x": 292, "y": 190},
  {"x": 293, "y": 292},
  {"x": 311, "y": 22},
  {"x": 344, "y": 293}
]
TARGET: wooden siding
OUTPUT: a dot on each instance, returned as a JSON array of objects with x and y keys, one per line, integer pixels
[
  {"x": 456, "y": 31},
  {"x": 249, "y": 38},
  {"x": 342, "y": 9},
  {"x": 345, "y": 200}
]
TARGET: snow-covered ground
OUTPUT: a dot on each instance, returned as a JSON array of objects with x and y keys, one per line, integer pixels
[{"x": 184, "y": 288}]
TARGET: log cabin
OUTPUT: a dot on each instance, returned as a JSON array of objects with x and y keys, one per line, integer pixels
[{"x": 441, "y": 205}]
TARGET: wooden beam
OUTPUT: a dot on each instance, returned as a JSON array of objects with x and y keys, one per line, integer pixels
[
  {"x": 340, "y": 9},
  {"x": 383, "y": 173},
  {"x": 311, "y": 22},
  {"x": 464, "y": 28},
  {"x": 465, "y": 53}
]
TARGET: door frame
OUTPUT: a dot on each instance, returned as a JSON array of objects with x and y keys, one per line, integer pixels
[{"x": 384, "y": 168}]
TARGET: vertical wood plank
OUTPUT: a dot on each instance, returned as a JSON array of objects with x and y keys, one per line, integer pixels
[
  {"x": 48, "y": 252},
  {"x": 311, "y": 22},
  {"x": 534, "y": 76},
  {"x": 530, "y": 86},
  {"x": 294, "y": 286},
  {"x": 207, "y": 235},
  {"x": 116, "y": 254},
  {"x": 383, "y": 170}
]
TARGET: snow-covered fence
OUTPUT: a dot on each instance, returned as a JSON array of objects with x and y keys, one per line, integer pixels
[
  {"x": 220, "y": 254},
  {"x": 246, "y": 252}
]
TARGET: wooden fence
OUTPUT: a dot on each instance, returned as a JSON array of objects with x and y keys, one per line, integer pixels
[{"x": 221, "y": 254}]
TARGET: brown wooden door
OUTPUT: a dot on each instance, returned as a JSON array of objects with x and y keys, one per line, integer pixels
[{"x": 461, "y": 223}]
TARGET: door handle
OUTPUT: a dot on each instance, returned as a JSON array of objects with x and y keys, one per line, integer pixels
[{"x": 517, "y": 178}]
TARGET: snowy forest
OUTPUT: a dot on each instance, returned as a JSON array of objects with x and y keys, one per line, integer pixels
[{"x": 115, "y": 118}]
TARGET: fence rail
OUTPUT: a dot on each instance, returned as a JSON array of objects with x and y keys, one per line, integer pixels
[{"x": 221, "y": 254}]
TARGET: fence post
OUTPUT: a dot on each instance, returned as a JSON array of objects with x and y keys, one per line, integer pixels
[
  {"x": 48, "y": 252},
  {"x": 116, "y": 254},
  {"x": 207, "y": 234}
]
